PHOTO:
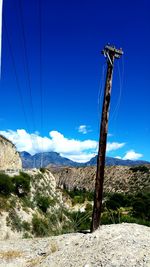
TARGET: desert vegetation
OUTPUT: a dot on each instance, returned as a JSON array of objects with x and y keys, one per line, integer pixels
[{"x": 45, "y": 208}]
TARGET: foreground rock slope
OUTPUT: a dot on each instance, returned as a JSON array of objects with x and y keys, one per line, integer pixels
[{"x": 122, "y": 245}]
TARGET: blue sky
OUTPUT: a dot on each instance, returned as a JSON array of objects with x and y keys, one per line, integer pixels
[{"x": 73, "y": 33}]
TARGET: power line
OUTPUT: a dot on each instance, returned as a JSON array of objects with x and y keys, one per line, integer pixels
[
  {"x": 27, "y": 73},
  {"x": 27, "y": 64},
  {"x": 15, "y": 71},
  {"x": 41, "y": 74},
  {"x": 116, "y": 109},
  {"x": 1, "y": 15}
]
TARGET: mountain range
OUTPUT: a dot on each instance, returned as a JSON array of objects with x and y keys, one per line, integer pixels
[{"x": 53, "y": 158}]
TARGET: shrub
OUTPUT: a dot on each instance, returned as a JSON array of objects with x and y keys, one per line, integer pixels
[
  {"x": 78, "y": 200},
  {"x": 117, "y": 200},
  {"x": 79, "y": 196},
  {"x": 14, "y": 221},
  {"x": 40, "y": 226},
  {"x": 140, "y": 169},
  {"x": 27, "y": 203},
  {"x": 80, "y": 220},
  {"x": 43, "y": 203},
  {"x": 141, "y": 205},
  {"x": 6, "y": 185},
  {"x": 21, "y": 184},
  {"x": 4, "y": 203},
  {"x": 26, "y": 235},
  {"x": 89, "y": 208},
  {"x": 26, "y": 226},
  {"x": 111, "y": 216}
]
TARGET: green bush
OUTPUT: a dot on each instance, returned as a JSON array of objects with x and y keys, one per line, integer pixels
[
  {"x": 138, "y": 210},
  {"x": 117, "y": 200},
  {"x": 6, "y": 185},
  {"x": 14, "y": 221},
  {"x": 143, "y": 169},
  {"x": 80, "y": 220},
  {"x": 78, "y": 200},
  {"x": 89, "y": 208},
  {"x": 27, "y": 203},
  {"x": 112, "y": 216},
  {"x": 26, "y": 226},
  {"x": 21, "y": 184},
  {"x": 79, "y": 196},
  {"x": 4, "y": 203},
  {"x": 141, "y": 205},
  {"x": 44, "y": 202},
  {"x": 40, "y": 226}
]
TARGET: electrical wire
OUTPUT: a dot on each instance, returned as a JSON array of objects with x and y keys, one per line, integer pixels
[
  {"x": 15, "y": 72},
  {"x": 116, "y": 110},
  {"x": 41, "y": 74},
  {"x": 1, "y": 15},
  {"x": 27, "y": 64},
  {"x": 101, "y": 94},
  {"x": 27, "y": 74}
]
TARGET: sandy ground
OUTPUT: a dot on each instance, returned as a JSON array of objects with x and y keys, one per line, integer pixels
[{"x": 120, "y": 245}]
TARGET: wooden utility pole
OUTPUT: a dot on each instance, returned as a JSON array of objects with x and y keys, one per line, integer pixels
[{"x": 110, "y": 52}]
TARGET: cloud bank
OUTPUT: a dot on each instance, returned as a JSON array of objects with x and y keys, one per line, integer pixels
[
  {"x": 131, "y": 155},
  {"x": 76, "y": 150}
]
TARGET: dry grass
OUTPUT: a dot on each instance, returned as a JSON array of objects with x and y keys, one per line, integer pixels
[
  {"x": 34, "y": 262},
  {"x": 53, "y": 247},
  {"x": 38, "y": 260},
  {"x": 9, "y": 255}
]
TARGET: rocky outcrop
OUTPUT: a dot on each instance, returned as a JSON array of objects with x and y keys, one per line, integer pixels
[
  {"x": 9, "y": 157},
  {"x": 117, "y": 178}
]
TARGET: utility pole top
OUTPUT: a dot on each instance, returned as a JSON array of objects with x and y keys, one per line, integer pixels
[{"x": 110, "y": 49}]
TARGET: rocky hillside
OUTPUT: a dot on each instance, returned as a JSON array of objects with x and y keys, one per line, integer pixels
[
  {"x": 9, "y": 157},
  {"x": 117, "y": 178},
  {"x": 44, "y": 159},
  {"x": 119, "y": 245},
  {"x": 52, "y": 158},
  {"x": 115, "y": 161},
  {"x": 30, "y": 205}
]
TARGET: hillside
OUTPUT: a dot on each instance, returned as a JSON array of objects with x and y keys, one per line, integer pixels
[
  {"x": 9, "y": 157},
  {"x": 52, "y": 158},
  {"x": 115, "y": 161},
  {"x": 110, "y": 246},
  {"x": 117, "y": 178},
  {"x": 36, "y": 203},
  {"x": 44, "y": 159},
  {"x": 30, "y": 205}
]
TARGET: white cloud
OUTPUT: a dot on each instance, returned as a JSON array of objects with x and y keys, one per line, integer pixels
[
  {"x": 33, "y": 143},
  {"x": 80, "y": 157},
  {"x": 132, "y": 155},
  {"x": 114, "y": 146},
  {"x": 118, "y": 157},
  {"x": 80, "y": 151},
  {"x": 83, "y": 129}
]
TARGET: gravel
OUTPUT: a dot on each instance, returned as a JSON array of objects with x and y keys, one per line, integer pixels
[{"x": 117, "y": 245}]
